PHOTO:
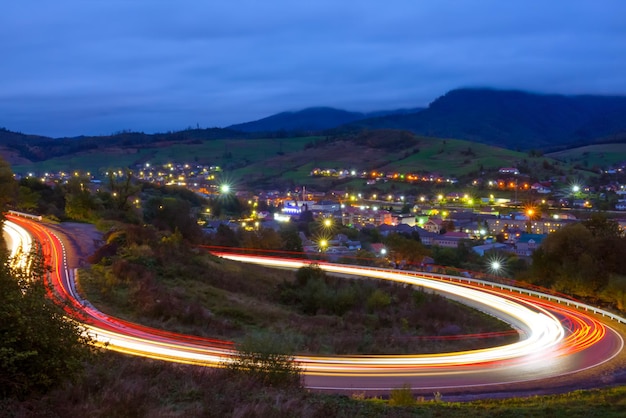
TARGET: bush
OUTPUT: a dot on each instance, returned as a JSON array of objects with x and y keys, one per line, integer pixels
[
  {"x": 402, "y": 396},
  {"x": 265, "y": 359},
  {"x": 378, "y": 300}
]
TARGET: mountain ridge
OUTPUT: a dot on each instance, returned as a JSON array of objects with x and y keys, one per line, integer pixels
[
  {"x": 311, "y": 119},
  {"x": 512, "y": 118}
]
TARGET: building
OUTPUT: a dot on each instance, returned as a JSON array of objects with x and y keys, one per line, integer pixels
[
  {"x": 450, "y": 239},
  {"x": 544, "y": 226},
  {"x": 526, "y": 244},
  {"x": 353, "y": 216}
]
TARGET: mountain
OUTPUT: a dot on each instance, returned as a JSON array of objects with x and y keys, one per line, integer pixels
[
  {"x": 513, "y": 119},
  {"x": 311, "y": 119}
]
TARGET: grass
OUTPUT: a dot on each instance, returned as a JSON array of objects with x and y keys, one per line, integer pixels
[
  {"x": 117, "y": 385},
  {"x": 196, "y": 293},
  {"x": 602, "y": 155},
  {"x": 214, "y": 152},
  {"x": 286, "y": 161}
]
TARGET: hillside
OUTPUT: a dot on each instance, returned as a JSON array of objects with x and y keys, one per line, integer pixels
[
  {"x": 275, "y": 162},
  {"x": 513, "y": 119},
  {"x": 18, "y": 148},
  {"x": 593, "y": 156},
  {"x": 311, "y": 119},
  {"x": 391, "y": 151}
]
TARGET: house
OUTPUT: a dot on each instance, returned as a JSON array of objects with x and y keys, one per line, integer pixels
[
  {"x": 433, "y": 225},
  {"x": 509, "y": 170},
  {"x": 404, "y": 219},
  {"x": 426, "y": 237},
  {"x": 361, "y": 216},
  {"x": 325, "y": 206},
  {"x": 540, "y": 188},
  {"x": 526, "y": 244},
  {"x": 450, "y": 239},
  {"x": 482, "y": 249},
  {"x": 378, "y": 249}
]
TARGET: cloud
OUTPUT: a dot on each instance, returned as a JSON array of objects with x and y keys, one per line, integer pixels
[{"x": 75, "y": 67}]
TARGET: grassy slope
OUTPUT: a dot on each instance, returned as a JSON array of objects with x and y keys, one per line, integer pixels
[
  {"x": 602, "y": 155},
  {"x": 117, "y": 385},
  {"x": 231, "y": 300},
  {"x": 287, "y": 160}
]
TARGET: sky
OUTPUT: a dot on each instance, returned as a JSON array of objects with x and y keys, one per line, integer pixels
[{"x": 76, "y": 67}]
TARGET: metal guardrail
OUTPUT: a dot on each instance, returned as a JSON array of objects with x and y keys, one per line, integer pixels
[{"x": 520, "y": 290}]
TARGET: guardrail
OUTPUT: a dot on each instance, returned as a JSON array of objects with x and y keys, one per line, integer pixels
[
  {"x": 520, "y": 290},
  {"x": 484, "y": 283},
  {"x": 25, "y": 215}
]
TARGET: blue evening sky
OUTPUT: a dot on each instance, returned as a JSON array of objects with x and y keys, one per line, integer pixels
[{"x": 72, "y": 67}]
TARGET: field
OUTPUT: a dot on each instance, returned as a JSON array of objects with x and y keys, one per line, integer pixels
[
  {"x": 288, "y": 161},
  {"x": 603, "y": 155}
]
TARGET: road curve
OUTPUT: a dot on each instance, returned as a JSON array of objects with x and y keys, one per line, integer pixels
[{"x": 555, "y": 339}]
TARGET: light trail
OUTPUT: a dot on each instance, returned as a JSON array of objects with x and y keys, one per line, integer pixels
[{"x": 550, "y": 334}]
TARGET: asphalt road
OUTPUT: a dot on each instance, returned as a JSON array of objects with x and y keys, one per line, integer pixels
[{"x": 572, "y": 349}]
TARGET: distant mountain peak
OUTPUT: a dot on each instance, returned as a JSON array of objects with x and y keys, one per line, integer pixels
[{"x": 316, "y": 118}]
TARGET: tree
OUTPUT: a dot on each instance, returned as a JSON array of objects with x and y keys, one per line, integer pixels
[
  {"x": 39, "y": 346},
  {"x": 405, "y": 249},
  {"x": 171, "y": 214},
  {"x": 8, "y": 186},
  {"x": 80, "y": 204},
  {"x": 575, "y": 261},
  {"x": 601, "y": 226},
  {"x": 121, "y": 187},
  {"x": 291, "y": 239}
]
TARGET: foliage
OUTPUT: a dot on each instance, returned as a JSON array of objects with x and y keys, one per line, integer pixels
[
  {"x": 581, "y": 258},
  {"x": 172, "y": 214},
  {"x": 8, "y": 186},
  {"x": 80, "y": 204},
  {"x": 267, "y": 360},
  {"x": 116, "y": 385},
  {"x": 39, "y": 347},
  {"x": 35, "y": 196},
  {"x": 403, "y": 249},
  {"x": 402, "y": 396}
]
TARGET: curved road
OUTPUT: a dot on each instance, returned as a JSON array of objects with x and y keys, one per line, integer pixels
[{"x": 555, "y": 340}]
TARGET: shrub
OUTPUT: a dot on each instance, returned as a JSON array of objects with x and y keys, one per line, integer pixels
[
  {"x": 402, "y": 396},
  {"x": 378, "y": 300},
  {"x": 265, "y": 359}
]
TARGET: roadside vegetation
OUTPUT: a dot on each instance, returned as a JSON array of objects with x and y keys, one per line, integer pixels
[
  {"x": 586, "y": 260},
  {"x": 122, "y": 386},
  {"x": 153, "y": 278},
  {"x": 159, "y": 276}
]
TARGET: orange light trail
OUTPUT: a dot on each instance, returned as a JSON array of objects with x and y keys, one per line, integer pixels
[{"x": 548, "y": 331}]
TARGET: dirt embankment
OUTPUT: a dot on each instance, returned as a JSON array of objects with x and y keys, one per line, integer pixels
[{"x": 83, "y": 240}]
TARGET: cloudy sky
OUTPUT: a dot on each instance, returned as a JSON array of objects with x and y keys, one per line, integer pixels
[{"x": 73, "y": 67}]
